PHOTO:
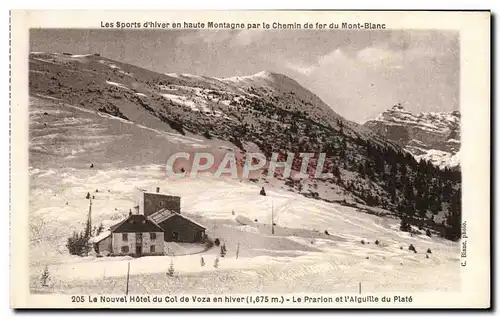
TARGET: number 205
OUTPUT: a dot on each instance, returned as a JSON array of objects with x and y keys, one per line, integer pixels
[{"x": 77, "y": 299}]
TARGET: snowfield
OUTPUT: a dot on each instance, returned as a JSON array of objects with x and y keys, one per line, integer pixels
[
  {"x": 316, "y": 246},
  {"x": 441, "y": 158},
  {"x": 299, "y": 257}
]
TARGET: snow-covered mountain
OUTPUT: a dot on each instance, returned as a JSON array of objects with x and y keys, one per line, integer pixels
[
  {"x": 434, "y": 137},
  {"x": 115, "y": 114},
  {"x": 105, "y": 127}
]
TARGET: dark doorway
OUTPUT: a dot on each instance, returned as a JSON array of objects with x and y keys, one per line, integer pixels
[
  {"x": 198, "y": 236},
  {"x": 138, "y": 250},
  {"x": 175, "y": 236}
]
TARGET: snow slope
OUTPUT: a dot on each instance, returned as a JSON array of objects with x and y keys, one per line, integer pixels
[
  {"x": 129, "y": 149},
  {"x": 297, "y": 253}
]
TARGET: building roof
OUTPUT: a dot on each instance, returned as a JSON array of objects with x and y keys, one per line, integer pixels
[
  {"x": 165, "y": 214},
  {"x": 135, "y": 223},
  {"x": 191, "y": 220},
  {"x": 104, "y": 235},
  {"x": 160, "y": 193},
  {"x": 161, "y": 215},
  {"x": 114, "y": 226}
]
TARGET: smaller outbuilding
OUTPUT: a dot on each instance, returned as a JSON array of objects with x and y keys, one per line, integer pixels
[{"x": 177, "y": 227}]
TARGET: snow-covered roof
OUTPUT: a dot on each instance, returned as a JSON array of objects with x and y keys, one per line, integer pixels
[
  {"x": 159, "y": 193},
  {"x": 161, "y": 215},
  {"x": 116, "y": 225},
  {"x": 165, "y": 214},
  {"x": 191, "y": 220},
  {"x": 136, "y": 223},
  {"x": 100, "y": 237}
]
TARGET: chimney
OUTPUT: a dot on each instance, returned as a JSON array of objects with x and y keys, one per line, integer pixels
[{"x": 157, "y": 189}]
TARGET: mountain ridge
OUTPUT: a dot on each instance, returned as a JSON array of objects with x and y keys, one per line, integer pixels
[{"x": 431, "y": 136}]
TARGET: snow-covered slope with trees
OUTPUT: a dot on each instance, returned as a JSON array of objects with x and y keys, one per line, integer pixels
[
  {"x": 316, "y": 246},
  {"x": 126, "y": 121}
]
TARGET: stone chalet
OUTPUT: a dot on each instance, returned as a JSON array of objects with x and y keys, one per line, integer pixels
[{"x": 158, "y": 220}]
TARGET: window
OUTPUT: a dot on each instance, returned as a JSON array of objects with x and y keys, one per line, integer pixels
[
  {"x": 152, "y": 248},
  {"x": 125, "y": 249},
  {"x": 152, "y": 236},
  {"x": 124, "y": 237}
]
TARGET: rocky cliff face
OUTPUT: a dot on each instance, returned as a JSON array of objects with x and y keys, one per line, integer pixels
[{"x": 434, "y": 137}]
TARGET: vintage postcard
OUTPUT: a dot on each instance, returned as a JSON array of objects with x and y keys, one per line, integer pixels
[{"x": 250, "y": 159}]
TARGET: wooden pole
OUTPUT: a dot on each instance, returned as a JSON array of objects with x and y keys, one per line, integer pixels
[
  {"x": 272, "y": 216},
  {"x": 90, "y": 216},
  {"x": 128, "y": 277},
  {"x": 237, "y": 249}
]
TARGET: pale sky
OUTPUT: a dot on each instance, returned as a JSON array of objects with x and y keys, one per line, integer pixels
[{"x": 358, "y": 73}]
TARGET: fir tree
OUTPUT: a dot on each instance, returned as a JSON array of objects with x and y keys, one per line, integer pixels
[
  {"x": 99, "y": 229},
  {"x": 78, "y": 244},
  {"x": 207, "y": 135},
  {"x": 44, "y": 278},
  {"x": 88, "y": 230},
  {"x": 223, "y": 250},
  {"x": 421, "y": 206},
  {"x": 405, "y": 226},
  {"x": 453, "y": 219},
  {"x": 171, "y": 270}
]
